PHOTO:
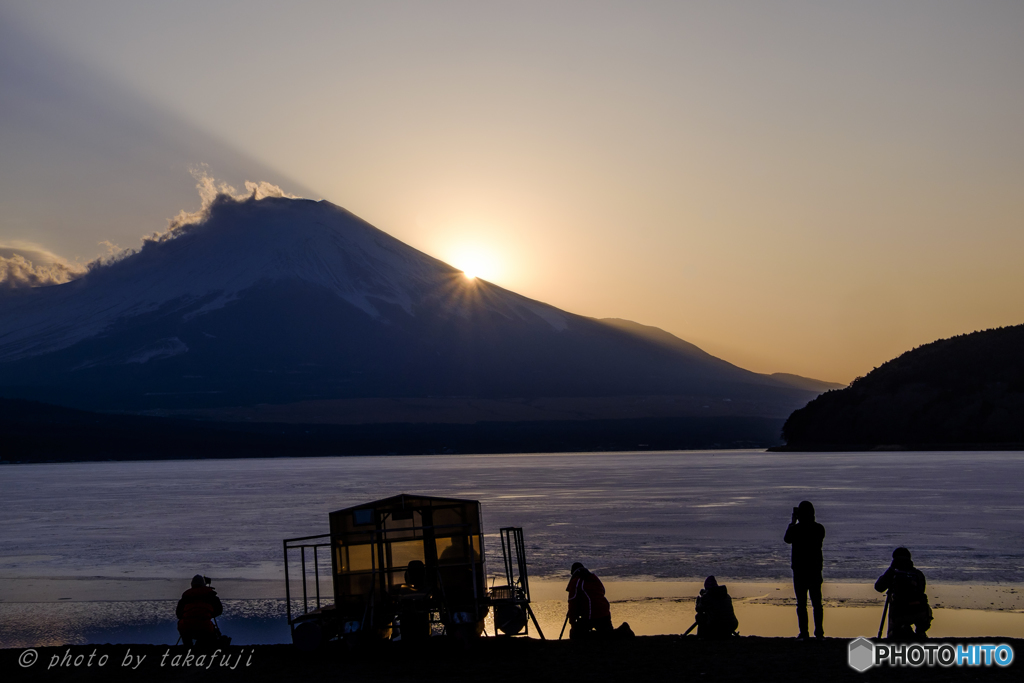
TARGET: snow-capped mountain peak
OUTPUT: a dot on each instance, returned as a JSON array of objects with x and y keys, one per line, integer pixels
[{"x": 238, "y": 245}]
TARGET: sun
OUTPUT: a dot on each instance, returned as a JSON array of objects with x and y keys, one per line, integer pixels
[{"x": 475, "y": 262}]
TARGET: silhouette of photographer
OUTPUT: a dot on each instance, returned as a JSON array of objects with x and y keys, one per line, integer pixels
[
  {"x": 806, "y": 537},
  {"x": 196, "y": 610},
  {"x": 909, "y": 613},
  {"x": 715, "y": 616},
  {"x": 588, "y": 608}
]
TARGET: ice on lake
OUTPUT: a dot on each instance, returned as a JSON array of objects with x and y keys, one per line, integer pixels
[
  {"x": 132, "y": 533},
  {"x": 662, "y": 515}
]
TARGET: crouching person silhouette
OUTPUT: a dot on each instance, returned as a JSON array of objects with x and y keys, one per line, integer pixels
[
  {"x": 910, "y": 615},
  {"x": 196, "y": 610},
  {"x": 715, "y": 616},
  {"x": 589, "y": 613}
]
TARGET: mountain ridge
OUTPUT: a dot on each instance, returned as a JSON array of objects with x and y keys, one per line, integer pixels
[{"x": 282, "y": 301}]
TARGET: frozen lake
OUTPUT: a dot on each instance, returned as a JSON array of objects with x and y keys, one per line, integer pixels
[
  {"x": 119, "y": 541},
  {"x": 664, "y": 515}
]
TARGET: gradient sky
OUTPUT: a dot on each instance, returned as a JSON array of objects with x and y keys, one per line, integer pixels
[{"x": 807, "y": 187}]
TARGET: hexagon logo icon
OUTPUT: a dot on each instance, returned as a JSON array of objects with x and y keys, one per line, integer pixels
[{"x": 861, "y": 654}]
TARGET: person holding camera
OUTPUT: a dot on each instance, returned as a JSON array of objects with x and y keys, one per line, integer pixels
[
  {"x": 806, "y": 536},
  {"x": 588, "y": 608},
  {"x": 196, "y": 610},
  {"x": 715, "y": 617},
  {"x": 909, "y": 612}
]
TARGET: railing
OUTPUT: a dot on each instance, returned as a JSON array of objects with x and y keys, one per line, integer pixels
[{"x": 301, "y": 545}]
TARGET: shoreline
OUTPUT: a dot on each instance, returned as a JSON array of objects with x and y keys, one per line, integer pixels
[
  {"x": 898, "y": 448},
  {"x": 103, "y": 610},
  {"x": 981, "y": 595},
  {"x": 37, "y": 433}
]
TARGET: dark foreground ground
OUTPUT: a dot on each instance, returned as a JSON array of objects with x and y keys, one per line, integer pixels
[{"x": 653, "y": 658}]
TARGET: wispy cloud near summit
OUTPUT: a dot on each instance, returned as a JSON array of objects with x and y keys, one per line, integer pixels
[
  {"x": 24, "y": 265},
  {"x": 210, "y": 190}
]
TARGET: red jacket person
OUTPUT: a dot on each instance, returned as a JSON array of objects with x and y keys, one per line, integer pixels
[
  {"x": 198, "y": 606},
  {"x": 588, "y": 608}
]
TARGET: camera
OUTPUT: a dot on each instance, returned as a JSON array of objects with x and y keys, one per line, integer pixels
[{"x": 207, "y": 580}]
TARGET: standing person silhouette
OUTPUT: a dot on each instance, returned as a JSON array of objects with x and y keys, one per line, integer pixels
[{"x": 806, "y": 537}]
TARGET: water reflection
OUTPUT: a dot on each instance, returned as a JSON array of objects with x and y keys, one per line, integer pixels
[{"x": 35, "y": 624}]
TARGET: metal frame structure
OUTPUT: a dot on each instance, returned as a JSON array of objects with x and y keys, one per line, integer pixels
[
  {"x": 301, "y": 545},
  {"x": 511, "y": 602},
  {"x": 417, "y": 559}
]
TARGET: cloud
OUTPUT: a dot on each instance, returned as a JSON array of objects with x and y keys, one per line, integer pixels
[
  {"x": 22, "y": 267},
  {"x": 210, "y": 191}
]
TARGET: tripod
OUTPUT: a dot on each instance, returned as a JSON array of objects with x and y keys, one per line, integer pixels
[{"x": 885, "y": 611}]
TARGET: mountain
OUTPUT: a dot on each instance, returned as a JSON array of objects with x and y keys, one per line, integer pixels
[
  {"x": 286, "y": 304},
  {"x": 967, "y": 391},
  {"x": 808, "y": 383}
]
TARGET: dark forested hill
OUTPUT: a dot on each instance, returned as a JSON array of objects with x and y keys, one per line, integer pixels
[{"x": 959, "y": 392}]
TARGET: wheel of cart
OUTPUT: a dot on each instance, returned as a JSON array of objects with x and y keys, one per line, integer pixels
[{"x": 511, "y": 602}]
